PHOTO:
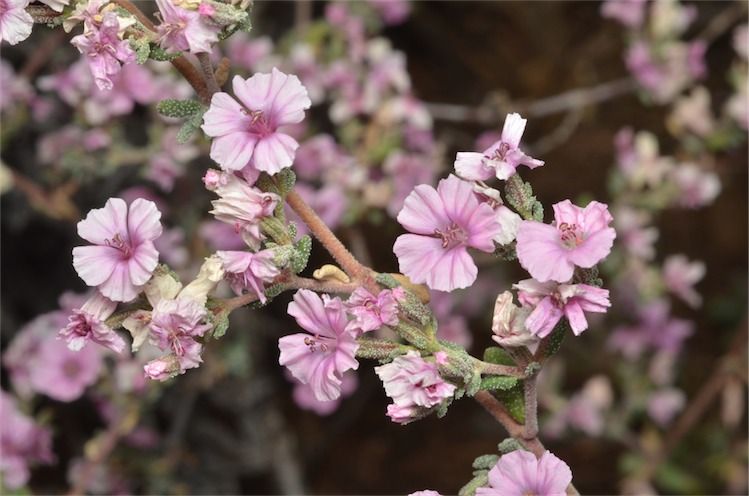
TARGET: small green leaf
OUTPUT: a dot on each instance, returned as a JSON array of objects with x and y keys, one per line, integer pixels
[
  {"x": 485, "y": 462},
  {"x": 386, "y": 280},
  {"x": 178, "y": 109},
  {"x": 496, "y": 382},
  {"x": 480, "y": 480},
  {"x": 495, "y": 354},
  {"x": 300, "y": 257},
  {"x": 508, "y": 445},
  {"x": 513, "y": 400},
  {"x": 160, "y": 55}
]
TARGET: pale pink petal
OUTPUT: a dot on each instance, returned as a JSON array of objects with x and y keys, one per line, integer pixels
[
  {"x": 423, "y": 211},
  {"x": 513, "y": 129},
  {"x": 290, "y": 103},
  {"x": 471, "y": 166},
  {"x": 235, "y": 261},
  {"x": 94, "y": 264},
  {"x": 594, "y": 249},
  {"x": 143, "y": 221},
  {"x": 458, "y": 199},
  {"x": 575, "y": 317},
  {"x": 454, "y": 270},
  {"x": 143, "y": 262},
  {"x": 540, "y": 253},
  {"x": 233, "y": 151},
  {"x": 101, "y": 224},
  {"x": 553, "y": 474},
  {"x": 297, "y": 357},
  {"x": 543, "y": 318},
  {"x": 417, "y": 255},
  {"x": 309, "y": 312},
  {"x": 224, "y": 116},
  {"x": 118, "y": 286},
  {"x": 274, "y": 152}
]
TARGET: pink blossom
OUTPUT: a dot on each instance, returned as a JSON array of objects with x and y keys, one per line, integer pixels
[
  {"x": 552, "y": 301},
  {"x": 680, "y": 275},
  {"x": 246, "y": 270},
  {"x": 579, "y": 237},
  {"x": 15, "y": 22},
  {"x": 329, "y": 202},
  {"x": 665, "y": 404},
  {"x": 161, "y": 369},
  {"x": 519, "y": 473},
  {"x": 175, "y": 324},
  {"x": 412, "y": 383},
  {"x": 244, "y": 207},
  {"x": 104, "y": 50},
  {"x": 248, "y": 133},
  {"x": 87, "y": 324},
  {"x": 636, "y": 234},
  {"x": 656, "y": 329},
  {"x": 509, "y": 221},
  {"x": 183, "y": 30},
  {"x": 501, "y": 158},
  {"x": 630, "y": 13},
  {"x": 172, "y": 248},
  {"x": 321, "y": 357},
  {"x": 249, "y": 53},
  {"x": 392, "y": 11},
  {"x": 452, "y": 323},
  {"x": 123, "y": 256},
  {"x": 696, "y": 187},
  {"x": 24, "y": 443},
  {"x": 445, "y": 222},
  {"x": 63, "y": 374},
  {"x": 220, "y": 236},
  {"x": 370, "y": 312},
  {"x": 305, "y": 399}
]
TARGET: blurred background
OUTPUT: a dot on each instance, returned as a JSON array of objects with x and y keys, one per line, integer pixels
[{"x": 233, "y": 426}]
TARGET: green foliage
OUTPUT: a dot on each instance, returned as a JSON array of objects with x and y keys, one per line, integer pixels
[
  {"x": 513, "y": 400},
  {"x": 495, "y": 354},
  {"x": 378, "y": 349},
  {"x": 178, "y": 109},
  {"x": 286, "y": 180},
  {"x": 386, "y": 280},
  {"x": 142, "y": 48},
  {"x": 519, "y": 195},
  {"x": 189, "y": 128},
  {"x": 160, "y": 55},
  {"x": 556, "y": 337},
  {"x": 509, "y": 445},
  {"x": 220, "y": 323},
  {"x": 300, "y": 257},
  {"x": 480, "y": 479},
  {"x": 495, "y": 382},
  {"x": 485, "y": 462}
]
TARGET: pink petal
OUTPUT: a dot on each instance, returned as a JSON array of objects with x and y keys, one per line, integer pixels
[
  {"x": 458, "y": 198},
  {"x": 543, "y": 318},
  {"x": 143, "y": 221},
  {"x": 274, "y": 152},
  {"x": 101, "y": 224},
  {"x": 540, "y": 253},
  {"x": 455, "y": 270},
  {"x": 594, "y": 249},
  {"x": 225, "y": 116},
  {"x": 513, "y": 129},
  {"x": 471, "y": 166},
  {"x": 553, "y": 475},
  {"x": 233, "y": 151},
  {"x": 297, "y": 357},
  {"x": 235, "y": 261},
  {"x": 575, "y": 317},
  {"x": 484, "y": 228},
  {"x": 309, "y": 312},
  {"x": 94, "y": 264},
  {"x": 290, "y": 102},
  {"x": 417, "y": 255},
  {"x": 119, "y": 286},
  {"x": 423, "y": 211},
  {"x": 143, "y": 262}
]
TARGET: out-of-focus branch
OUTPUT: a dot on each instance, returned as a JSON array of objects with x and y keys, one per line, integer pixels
[
  {"x": 573, "y": 99},
  {"x": 57, "y": 204},
  {"x": 723, "y": 22}
]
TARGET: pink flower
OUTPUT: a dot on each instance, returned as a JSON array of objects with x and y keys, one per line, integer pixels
[
  {"x": 245, "y": 270},
  {"x": 407, "y": 171},
  {"x": 412, "y": 383},
  {"x": 552, "y": 301},
  {"x": 305, "y": 399},
  {"x": 664, "y": 404},
  {"x": 508, "y": 323},
  {"x": 579, "y": 237},
  {"x": 248, "y": 133},
  {"x": 244, "y": 207},
  {"x": 696, "y": 187},
  {"x": 161, "y": 369},
  {"x": 370, "y": 312},
  {"x": 509, "y": 221},
  {"x": 321, "y": 357},
  {"x": 23, "y": 441},
  {"x": 63, "y": 374},
  {"x": 519, "y": 473},
  {"x": 630, "y": 13},
  {"x": 15, "y": 22},
  {"x": 680, "y": 275},
  {"x": 123, "y": 256},
  {"x": 183, "y": 30},
  {"x": 656, "y": 330},
  {"x": 87, "y": 324},
  {"x": 174, "y": 325},
  {"x": 501, "y": 158},
  {"x": 104, "y": 50},
  {"x": 445, "y": 222}
]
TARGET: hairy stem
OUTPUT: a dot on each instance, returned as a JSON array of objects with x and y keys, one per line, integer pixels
[
  {"x": 208, "y": 74},
  {"x": 531, "y": 407},
  {"x": 497, "y": 369}
]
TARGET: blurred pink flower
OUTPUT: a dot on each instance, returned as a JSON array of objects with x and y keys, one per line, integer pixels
[
  {"x": 371, "y": 312},
  {"x": 123, "y": 256},
  {"x": 552, "y": 301},
  {"x": 249, "y": 53},
  {"x": 220, "y": 236},
  {"x": 680, "y": 275},
  {"x": 519, "y": 473},
  {"x": 23, "y": 441},
  {"x": 392, "y": 11},
  {"x": 104, "y": 50},
  {"x": 248, "y": 133},
  {"x": 406, "y": 170},
  {"x": 696, "y": 187},
  {"x": 445, "y": 222},
  {"x": 63, "y": 374},
  {"x": 246, "y": 270},
  {"x": 501, "y": 158},
  {"x": 184, "y": 30},
  {"x": 665, "y": 404},
  {"x": 412, "y": 382},
  {"x": 579, "y": 237},
  {"x": 321, "y": 357},
  {"x": 656, "y": 329},
  {"x": 630, "y": 13},
  {"x": 15, "y": 22},
  {"x": 305, "y": 399},
  {"x": 88, "y": 324}
]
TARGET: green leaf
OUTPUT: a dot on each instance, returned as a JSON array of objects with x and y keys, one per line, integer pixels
[
  {"x": 220, "y": 324},
  {"x": 495, "y": 354},
  {"x": 508, "y": 445},
  {"x": 485, "y": 462},
  {"x": 386, "y": 280},
  {"x": 496, "y": 382},
  {"x": 142, "y": 49},
  {"x": 519, "y": 195},
  {"x": 178, "y": 109},
  {"x": 159, "y": 54},
  {"x": 513, "y": 400},
  {"x": 378, "y": 349},
  {"x": 480, "y": 480},
  {"x": 300, "y": 257}
]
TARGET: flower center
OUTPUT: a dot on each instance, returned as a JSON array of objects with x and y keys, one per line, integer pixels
[
  {"x": 120, "y": 244},
  {"x": 453, "y": 235},
  {"x": 570, "y": 234},
  {"x": 259, "y": 124},
  {"x": 501, "y": 152},
  {"x": 317, "y": 344}
]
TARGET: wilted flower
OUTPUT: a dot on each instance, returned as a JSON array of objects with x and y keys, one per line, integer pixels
[
  {"x": 246, "y": 270},
  {"x": 174, "y": 326},
  {"x": 445, "y": 222},
  {"x": 372, "y": 312},
  {"x": 104, "y": 50},
  {"x": 63, "y": 374},
  {"x": 87, "y": 324},
  {"x": 508, "y": 323}
]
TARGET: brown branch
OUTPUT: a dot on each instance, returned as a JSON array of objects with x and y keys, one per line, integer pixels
[
  {"x": 42, "y": 54},
  {"x": 208, "y": 75},
  {"x": 42, "y": 14}
]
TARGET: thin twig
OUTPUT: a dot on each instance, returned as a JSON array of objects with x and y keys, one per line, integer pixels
[
  {"x": 530, "y": 394},
  {"x": 723, "y": 22},
  {"x": 208, "y": 75}
]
